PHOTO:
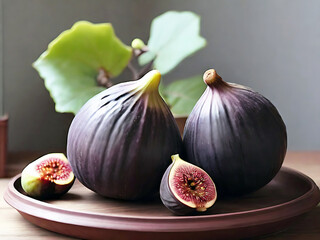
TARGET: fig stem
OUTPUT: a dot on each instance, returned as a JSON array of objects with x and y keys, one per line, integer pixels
[
  {"x": 175, "y": 157},
  {"x": 211, "y": 77},
  {"x": 151, "y": 80}
]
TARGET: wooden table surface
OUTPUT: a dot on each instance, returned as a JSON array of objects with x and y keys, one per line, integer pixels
[{"x": 14, "y": 226}]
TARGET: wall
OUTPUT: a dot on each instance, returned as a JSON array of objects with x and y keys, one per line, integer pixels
[{"x": 272, "y": 46}]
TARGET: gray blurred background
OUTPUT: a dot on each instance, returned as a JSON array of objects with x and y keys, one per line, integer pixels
[{"x": 271, "y": 46}]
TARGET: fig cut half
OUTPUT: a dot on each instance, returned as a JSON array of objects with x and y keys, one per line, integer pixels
[
  {"x": 186, "y": 188},
  {"x": 47, "y": 177}
]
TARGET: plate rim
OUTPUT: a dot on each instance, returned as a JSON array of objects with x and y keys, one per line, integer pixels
[{"x": 173, "y": 223}]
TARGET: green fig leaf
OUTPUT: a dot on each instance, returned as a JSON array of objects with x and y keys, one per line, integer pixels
[
  {"x": 182, "y": 95},
  {"x": 173, "y": 37},
  {"x": 72, "y": 62}
]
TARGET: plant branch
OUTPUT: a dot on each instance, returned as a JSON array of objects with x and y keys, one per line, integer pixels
[
  {"x": 146, "y": 69},
  {"x": 103, "y": 78},
  {"x": 134, "y": 71}
]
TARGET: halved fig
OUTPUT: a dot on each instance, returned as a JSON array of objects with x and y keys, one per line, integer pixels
[
  {"x": 186, "y": 188},
  {"x": 49, "y": 176}
]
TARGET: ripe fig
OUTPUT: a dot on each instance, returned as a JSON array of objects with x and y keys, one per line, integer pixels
[
  {"x": 121, "y": 140},
  {"x": 236, "y": 135},
  {"x": 50, "y": 176},
  {"x": 186, "y": 188}
]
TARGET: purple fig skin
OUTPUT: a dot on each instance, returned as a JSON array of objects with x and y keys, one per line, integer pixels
[
  {"x": 120, "y": 142},
  {"x": 236, "y": 135},
  {"x": 169, "y": 200}
]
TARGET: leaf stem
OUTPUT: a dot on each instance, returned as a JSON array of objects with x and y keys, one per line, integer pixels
[
  {"x": 103, "y": 78},
  {"x": 146, "y": 69},
  {"x": 134, "y": 71},
  {"x": 136, "y": 74}
]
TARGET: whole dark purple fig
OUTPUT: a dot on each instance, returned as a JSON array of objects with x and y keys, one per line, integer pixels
[
  {"x": 186, "y": 188},
  {"x": 236, "y": 135},
  {"x": 121, "y": 140}
]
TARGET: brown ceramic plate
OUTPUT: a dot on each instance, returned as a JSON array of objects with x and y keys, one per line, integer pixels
[{"x": 83, "y": 214}]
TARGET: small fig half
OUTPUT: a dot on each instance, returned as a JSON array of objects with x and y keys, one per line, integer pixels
[
  {"x": 186, "y": 188},
  {"x": 49, "y": 176}
]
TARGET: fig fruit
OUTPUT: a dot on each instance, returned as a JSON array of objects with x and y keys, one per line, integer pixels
[
  {"x": 120, "y": 142},
  {"x": 236, "y": 135},
  {"x": 49, "y": 176},
  {"x": 186, "y": 188}
]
